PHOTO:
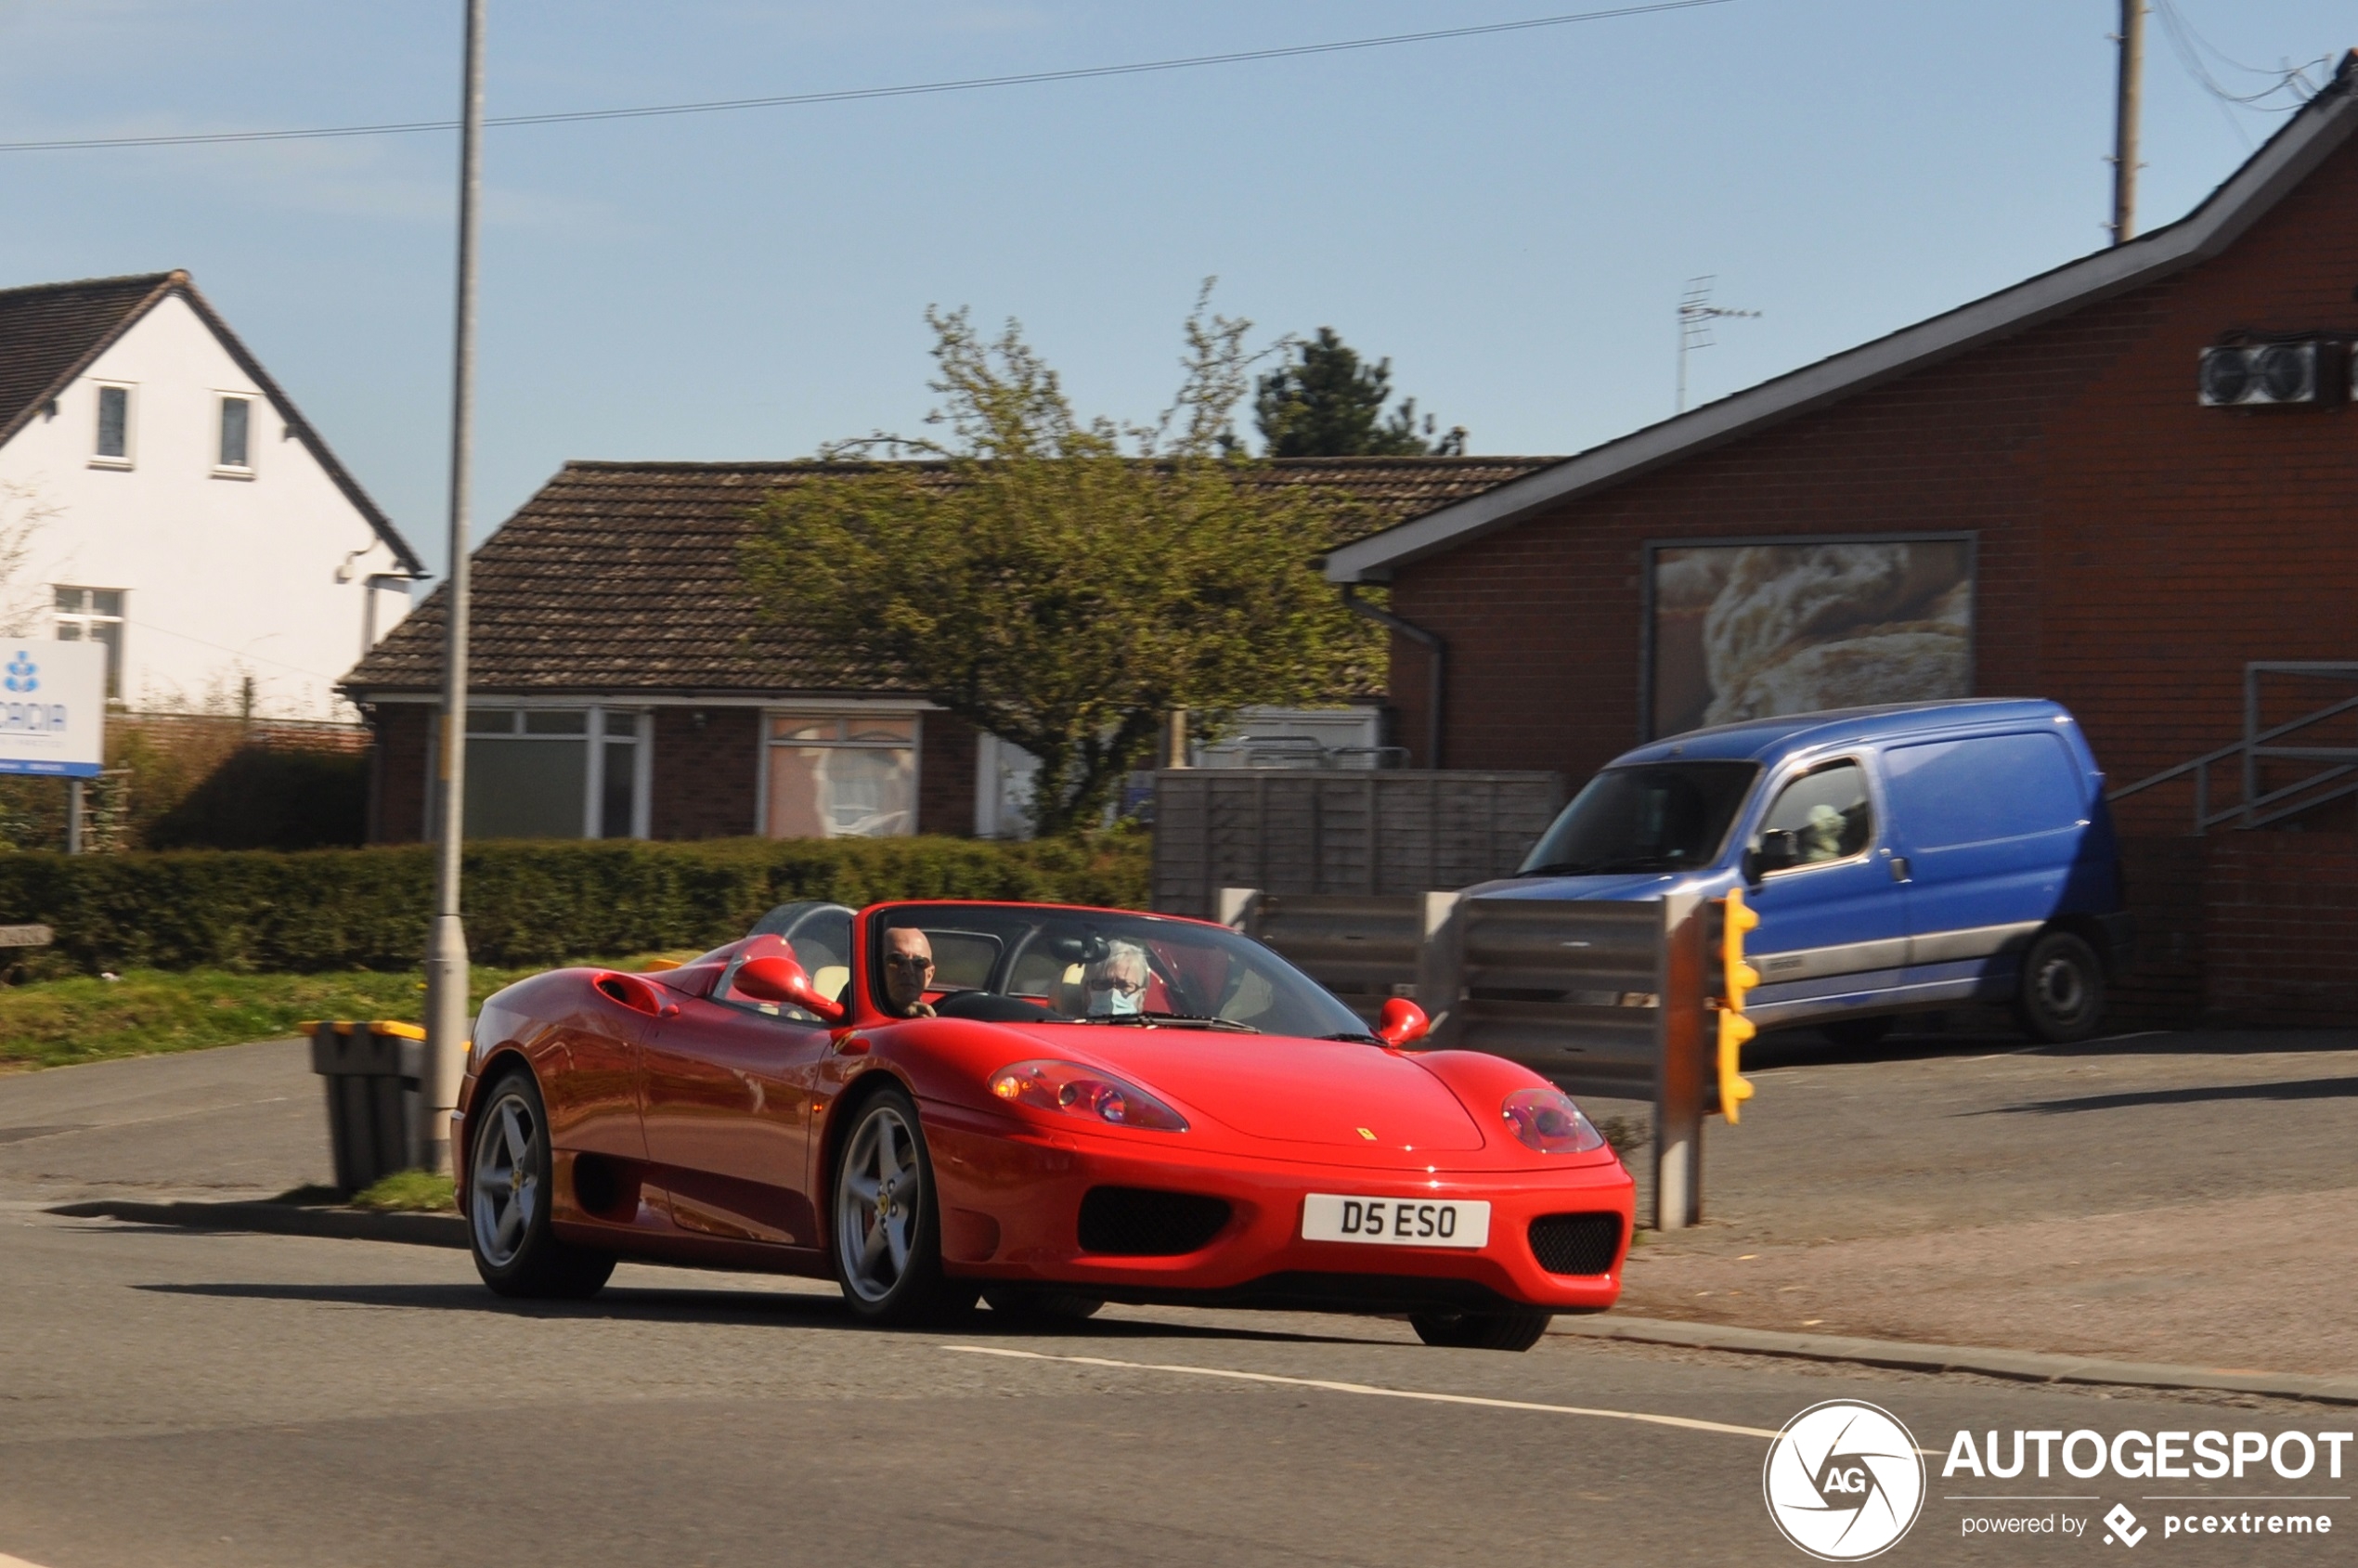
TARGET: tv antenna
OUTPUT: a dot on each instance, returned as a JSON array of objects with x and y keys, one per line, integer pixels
[{"x": 1696, "y": 312}]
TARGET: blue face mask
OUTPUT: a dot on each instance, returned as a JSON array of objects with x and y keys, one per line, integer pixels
[{"x": 1117, "y": 1003}]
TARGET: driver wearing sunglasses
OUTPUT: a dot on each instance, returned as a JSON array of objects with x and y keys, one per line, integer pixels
[{"x": 908, "y": 972}]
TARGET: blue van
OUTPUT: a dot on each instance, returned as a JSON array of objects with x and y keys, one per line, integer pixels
[{"x": 1901, "y": 858}]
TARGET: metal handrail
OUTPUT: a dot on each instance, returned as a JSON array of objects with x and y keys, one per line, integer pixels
[{"x": 2253, "y": 749}]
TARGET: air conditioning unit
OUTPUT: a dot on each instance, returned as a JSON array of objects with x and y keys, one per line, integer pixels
[{"x": 2260, "y": 375}]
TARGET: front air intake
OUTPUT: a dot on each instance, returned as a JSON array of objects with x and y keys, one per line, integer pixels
[
  {"x": 1577, "y": 1243},
  {"x": 1136, "y": 1222}
]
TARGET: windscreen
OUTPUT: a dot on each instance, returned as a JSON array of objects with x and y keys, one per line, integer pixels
[
  {"x": 1015, "y": 964},
  {"x": 1655, "y": 816}
]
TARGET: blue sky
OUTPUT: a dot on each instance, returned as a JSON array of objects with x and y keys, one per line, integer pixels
[{"x": 1510, "y": 219}]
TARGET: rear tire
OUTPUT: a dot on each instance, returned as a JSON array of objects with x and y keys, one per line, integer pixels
[
  {"x": 888, "y": 1221},
  {"x": 2061, "y": 996},
  {"x": 1040, "y": 1306},
  {"x": 1855, "y": 1035},
  {"x": 1514, "y": 1329},
  {"x": 508, "y": 1192}
]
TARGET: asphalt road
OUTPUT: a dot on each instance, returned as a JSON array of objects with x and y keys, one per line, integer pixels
[{"x": 169, "y": 1397}]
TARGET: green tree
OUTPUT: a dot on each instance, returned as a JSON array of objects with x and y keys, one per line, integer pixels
[
  {"x": 1059, "y": 582},
  {"x": 1327, "y": 402}
]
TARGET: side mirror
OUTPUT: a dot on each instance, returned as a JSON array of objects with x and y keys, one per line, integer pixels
[
  {"x": 1750, "y": 868},
  {"x": 776, "y": 977},
  {"x": 1403, "y": 1023},
  {"x": 1780, "y": 847}
]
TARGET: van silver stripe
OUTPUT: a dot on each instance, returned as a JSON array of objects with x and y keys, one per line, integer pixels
[{"x": 1893, "y": 953}]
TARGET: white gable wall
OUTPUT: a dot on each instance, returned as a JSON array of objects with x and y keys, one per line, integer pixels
[{"x": 222, "y": 578}]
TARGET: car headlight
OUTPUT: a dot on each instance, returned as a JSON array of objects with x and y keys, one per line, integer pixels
[
  {"x": 1081, "y": 1090},
  {"x": 1545, "y": 1119}
]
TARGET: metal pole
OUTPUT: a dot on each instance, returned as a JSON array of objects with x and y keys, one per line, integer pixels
[
  {"x": 2124, "y": 144},
  {"x": 74, "y": 816},
  {"x": 446, "y": 943}
]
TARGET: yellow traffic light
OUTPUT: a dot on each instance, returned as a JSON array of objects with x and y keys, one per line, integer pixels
[{"x": 1738, "y": 978}]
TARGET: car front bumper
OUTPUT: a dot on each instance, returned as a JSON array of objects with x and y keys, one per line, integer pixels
[{"x": 1011, "y": 1202}]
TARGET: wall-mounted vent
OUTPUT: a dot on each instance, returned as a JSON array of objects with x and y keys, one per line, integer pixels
[{"x": 2258, "y": 375}]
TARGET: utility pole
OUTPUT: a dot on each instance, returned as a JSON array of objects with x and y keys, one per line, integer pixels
[
  {"x": 1696, "y": 312},
  {"x": 446, "y": 943},
  {"x": 2132, "y": 39}
]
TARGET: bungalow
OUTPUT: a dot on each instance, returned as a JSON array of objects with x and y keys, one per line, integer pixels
[{"x": 622, "y": 683}]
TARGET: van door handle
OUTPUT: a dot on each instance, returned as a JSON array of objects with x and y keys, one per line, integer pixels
[{"x": 1899, "y": 868}]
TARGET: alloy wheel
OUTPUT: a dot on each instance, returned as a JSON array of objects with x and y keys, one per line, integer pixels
[
  {"x": 504, "y": 1188},
  {"x": 878, "y": 1202}
]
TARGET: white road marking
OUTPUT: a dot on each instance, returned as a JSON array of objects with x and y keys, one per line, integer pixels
[
  {"x": 1684, "y": 1422},
  {"x": 8, "y": 1562}
]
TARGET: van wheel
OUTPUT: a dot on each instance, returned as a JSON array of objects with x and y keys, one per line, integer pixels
[
  {"x": 2061, "y": 999},
  {"x": 1855, "y": 1035}
]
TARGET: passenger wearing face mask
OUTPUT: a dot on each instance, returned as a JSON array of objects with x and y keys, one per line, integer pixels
[{"x": 1117, "y": 983}]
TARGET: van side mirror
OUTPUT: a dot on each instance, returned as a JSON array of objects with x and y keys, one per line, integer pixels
[
  {"x": 1780, "y": 847},
  {"x": 1401, "y": 1022},
  {"x": 776, "y": 977}
]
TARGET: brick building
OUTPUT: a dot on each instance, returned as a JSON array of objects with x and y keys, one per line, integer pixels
[
  {"x": 2054, "y": 491},
  {"x": 621, "y": 683}
]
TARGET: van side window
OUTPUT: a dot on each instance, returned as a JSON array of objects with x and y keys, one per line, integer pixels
[
  {"x": 1821, "y": 816},
  {"x": 1949, "y": 792}
]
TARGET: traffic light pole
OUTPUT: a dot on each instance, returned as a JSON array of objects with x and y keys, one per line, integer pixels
[
  {"x": 1683, "y": 1085},
  {"x": 447, "y": 940}
]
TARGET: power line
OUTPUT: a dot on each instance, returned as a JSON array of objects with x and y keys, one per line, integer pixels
[
  {"x": 2191, "y": 45},
  {"x": 850, "y": 95}
]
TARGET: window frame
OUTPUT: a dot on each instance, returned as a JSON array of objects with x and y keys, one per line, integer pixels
[
  {"x": 129, "y": 457},
  {"x": 1770, "y": 799},
  {"x": 222, "y": 468},
  {"x": 847, "y": 713},
  {"x": 601, "y": 725},
  {"x": 89, "y": 616}
]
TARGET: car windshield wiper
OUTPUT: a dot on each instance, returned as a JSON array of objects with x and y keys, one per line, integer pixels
[
  {"x": 1194, "y": 1021},
  {"x": 1353, "y": 1038}
]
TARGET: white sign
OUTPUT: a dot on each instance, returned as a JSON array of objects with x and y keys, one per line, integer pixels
[{"x": 53, "y": 707}]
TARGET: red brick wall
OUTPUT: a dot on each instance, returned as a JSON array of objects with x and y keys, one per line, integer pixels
[
  {"x": 706, "y": 773},
  {"x": 2281, "y": 913},
  {"x": 397, "y": 785},
  {"x": 2134, "y": 549},
  {"x": 946, "y": 775}
]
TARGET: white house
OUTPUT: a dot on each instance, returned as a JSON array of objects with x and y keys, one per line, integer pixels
[{"x": 159, "y": 494}]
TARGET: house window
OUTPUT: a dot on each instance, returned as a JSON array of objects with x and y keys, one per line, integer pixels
[
  {"x": 837, "y": 775},
  {"x": 554, "y": 773},
  {"x": 95, "y": 615},
  {"x": 113, "y": 449},
  {"x": 237, "y": 421}
]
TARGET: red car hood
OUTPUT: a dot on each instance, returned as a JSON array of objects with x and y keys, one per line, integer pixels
[{"x": 1326, "y": 1092}]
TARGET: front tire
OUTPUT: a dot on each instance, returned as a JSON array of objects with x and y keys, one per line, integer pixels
[
  {"x": 1516, "y": 1329},
  {"x": 2061, "y": 997},
  {"x": 887, "y": 1222},
  {"x": 508, "y": 1191}
]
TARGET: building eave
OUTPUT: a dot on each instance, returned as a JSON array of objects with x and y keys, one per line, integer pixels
[{"x": 2264, "y": 179}]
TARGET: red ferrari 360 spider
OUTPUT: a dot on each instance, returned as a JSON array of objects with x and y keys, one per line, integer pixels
[{"x": 1044, "y": 1107}]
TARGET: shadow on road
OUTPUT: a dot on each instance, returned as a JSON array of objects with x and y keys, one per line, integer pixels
[
  {"x": 2300, "y": 1089},
  {"x": 627, "y": 1304}
]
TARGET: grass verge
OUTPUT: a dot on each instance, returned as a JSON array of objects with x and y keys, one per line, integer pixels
[
  {"x": 409, "y": 1192},
  {"x": 149, "y": 1011}
]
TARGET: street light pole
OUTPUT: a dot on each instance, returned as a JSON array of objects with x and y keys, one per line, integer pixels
[{"x": 446, "y": 943}]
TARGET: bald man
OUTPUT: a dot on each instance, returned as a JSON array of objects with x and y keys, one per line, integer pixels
[{"x": 908, "y": 970}]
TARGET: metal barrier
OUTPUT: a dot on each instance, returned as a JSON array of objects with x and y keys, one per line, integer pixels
[
  {"x": 376, "y": 1106},
  {"x": 1605, "y": 998}
]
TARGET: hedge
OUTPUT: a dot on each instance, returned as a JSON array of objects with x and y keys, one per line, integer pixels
[{"x": 525, "y": 903}]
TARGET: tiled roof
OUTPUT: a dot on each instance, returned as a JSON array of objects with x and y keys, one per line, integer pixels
[
  {"x": 623, "y": 577},
  {"x": 52, "y": 332}
]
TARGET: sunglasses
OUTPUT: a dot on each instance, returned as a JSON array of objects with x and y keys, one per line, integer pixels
[{"x": 907, "y": 961}]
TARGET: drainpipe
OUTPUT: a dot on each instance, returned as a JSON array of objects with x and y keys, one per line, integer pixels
[{"x": 1436, "y": 662}]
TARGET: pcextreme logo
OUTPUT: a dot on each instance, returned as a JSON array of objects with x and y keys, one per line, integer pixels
[{"x": 1844, "y": 1481}]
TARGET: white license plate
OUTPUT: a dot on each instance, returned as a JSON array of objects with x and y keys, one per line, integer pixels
[{"x": 1395, "y": 1221}]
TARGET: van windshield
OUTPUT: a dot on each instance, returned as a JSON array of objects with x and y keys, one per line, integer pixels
[{"x": 1656, "y": 816}]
